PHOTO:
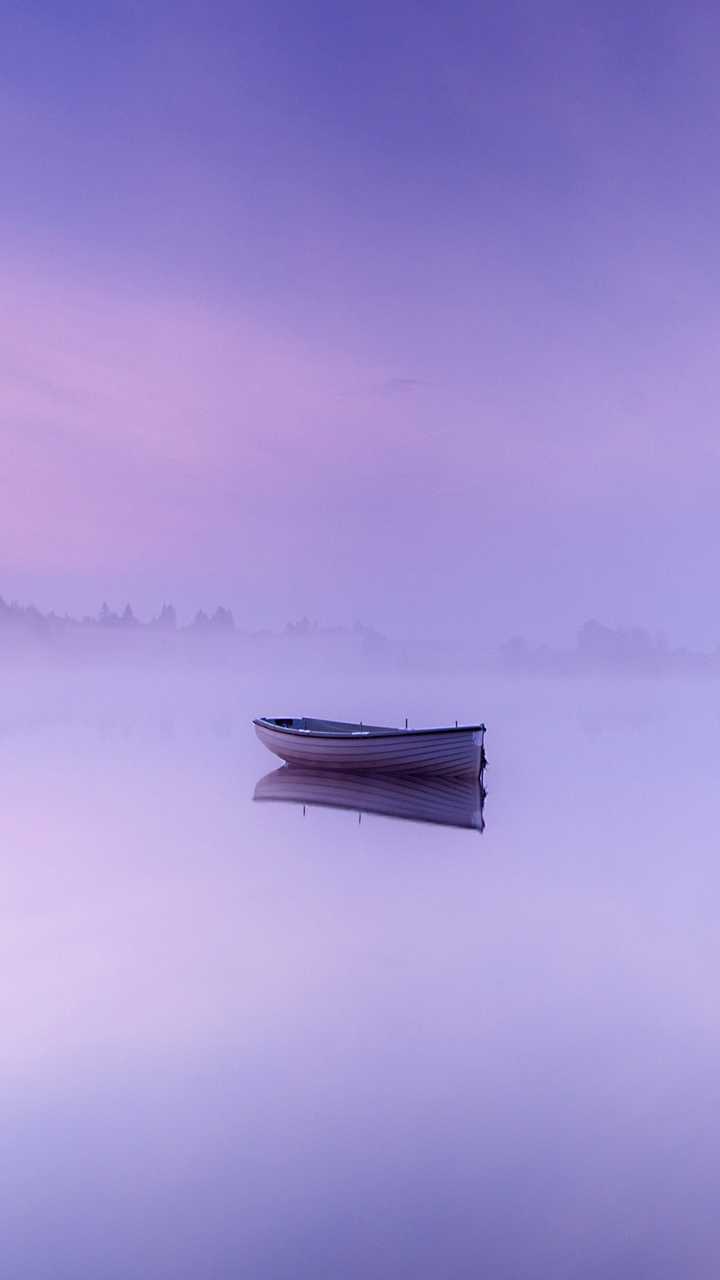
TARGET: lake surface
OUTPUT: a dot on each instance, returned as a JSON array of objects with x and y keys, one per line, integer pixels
[{"x": 243, "y": 1041}]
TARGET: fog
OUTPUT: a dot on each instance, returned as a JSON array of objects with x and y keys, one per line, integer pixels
[
  {"x": 244, "y": 1039},
  {"x": 406, "y": 316}
]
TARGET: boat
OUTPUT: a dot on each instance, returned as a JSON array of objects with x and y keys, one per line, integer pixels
[
  {"x": 349, "y": 747},
  {"x": 445, "y": 800}
]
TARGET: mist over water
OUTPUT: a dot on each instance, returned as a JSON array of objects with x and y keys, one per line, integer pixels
[{"x": 243, "y": 1041}]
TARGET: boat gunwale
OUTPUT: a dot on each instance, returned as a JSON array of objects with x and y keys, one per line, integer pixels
[{"x": 363, "y": 734}]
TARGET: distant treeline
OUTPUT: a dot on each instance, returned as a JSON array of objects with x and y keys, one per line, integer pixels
[
  {"x": 26, "y": 621},
  {"x": 599, "y": 647},
  {"x": 29, "y": 618}
]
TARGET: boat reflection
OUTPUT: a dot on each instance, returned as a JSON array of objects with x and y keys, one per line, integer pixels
[{"x": 450, "y": 802}]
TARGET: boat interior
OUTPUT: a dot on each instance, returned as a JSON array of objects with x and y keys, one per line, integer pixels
[{"x": 327, "y": 726}]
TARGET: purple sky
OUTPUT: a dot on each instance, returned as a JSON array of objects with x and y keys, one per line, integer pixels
[{"x": 407, "y": 311}]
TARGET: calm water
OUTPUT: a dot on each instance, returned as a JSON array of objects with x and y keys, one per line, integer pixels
[{"x": 243, "y": 1042}]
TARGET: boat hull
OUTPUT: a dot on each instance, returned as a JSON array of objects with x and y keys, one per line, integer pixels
[{"x": 455, "y": 752}]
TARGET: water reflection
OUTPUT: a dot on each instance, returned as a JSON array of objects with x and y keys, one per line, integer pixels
[{"x": 450, "y": 802}]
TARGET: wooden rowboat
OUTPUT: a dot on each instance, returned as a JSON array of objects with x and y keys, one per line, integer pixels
[
  {"x": 445, "y": 800},
  {"x": 333, "y": 744}
]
